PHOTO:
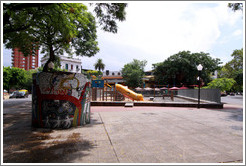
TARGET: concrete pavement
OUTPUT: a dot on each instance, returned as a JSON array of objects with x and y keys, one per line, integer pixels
[{"x": 131, "y": 135}]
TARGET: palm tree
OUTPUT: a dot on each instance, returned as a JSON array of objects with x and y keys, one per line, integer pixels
[{"x": 99, "y": 65}]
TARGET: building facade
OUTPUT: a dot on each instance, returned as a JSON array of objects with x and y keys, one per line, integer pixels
[
  {"x": 113, "y": 77},
  {"x": 70, "y": 64},
  {"x": 27, "y": 63}
]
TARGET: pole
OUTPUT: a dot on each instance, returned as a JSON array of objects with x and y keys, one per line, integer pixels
[{"x": 198, "y": 106}]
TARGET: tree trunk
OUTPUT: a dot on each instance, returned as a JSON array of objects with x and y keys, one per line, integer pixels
[{"x": 51, "y": 59}]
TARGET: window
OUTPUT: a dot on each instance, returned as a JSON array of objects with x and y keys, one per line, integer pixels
[
  {"x": 113, "y": 74},
  {"x": 71, "y": 67},
  {"x": 119, "y": 73},
  {"x": 66, "y": 67}
]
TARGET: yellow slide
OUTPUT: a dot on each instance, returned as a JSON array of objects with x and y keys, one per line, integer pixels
[{"x": 129, "y": 93}]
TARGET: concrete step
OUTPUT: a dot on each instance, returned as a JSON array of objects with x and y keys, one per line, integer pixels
[{"x": 129, "y": 104}]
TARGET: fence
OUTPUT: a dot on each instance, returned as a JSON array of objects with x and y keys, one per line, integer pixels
[
  {"x": 212, "y": 95},
  {"x": 159, "y": 93},
  {"x": 106, "y": 94}
]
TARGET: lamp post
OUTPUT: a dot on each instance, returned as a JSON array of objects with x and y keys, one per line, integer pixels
[{"x": 199, "y": 68}]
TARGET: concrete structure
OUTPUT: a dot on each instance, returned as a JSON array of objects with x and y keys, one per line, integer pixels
[
  {"x": 68, "y": 63},
  {"x": 158, "y": 135},
  {"x": 27, "y": 63},
  {"x": 60, "y": 100}
]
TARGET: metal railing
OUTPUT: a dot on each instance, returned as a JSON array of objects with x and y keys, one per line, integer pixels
[{"x": 212, "y": 95}]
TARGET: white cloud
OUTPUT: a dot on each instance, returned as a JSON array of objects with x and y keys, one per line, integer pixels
[
  {"x": 161, "y": 29},
  {"x": 237, "y": 33}
]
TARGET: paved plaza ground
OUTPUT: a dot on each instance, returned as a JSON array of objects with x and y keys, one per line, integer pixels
[{"x": 130, "y": 135}]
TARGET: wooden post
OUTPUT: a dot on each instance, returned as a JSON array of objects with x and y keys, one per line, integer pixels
[
  {"x": 154, "y": 90},
  {"x": 100, "y": 94},
  {"x": 106, "y": 94}
]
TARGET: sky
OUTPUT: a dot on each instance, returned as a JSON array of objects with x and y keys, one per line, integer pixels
[{"x": 153, "y": 31}]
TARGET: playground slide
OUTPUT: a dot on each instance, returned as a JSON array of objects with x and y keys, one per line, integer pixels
[{"x": 128, "y": 93}]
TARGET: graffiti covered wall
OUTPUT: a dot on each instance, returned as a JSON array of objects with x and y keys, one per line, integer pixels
[{"x": 60, "y": 100}]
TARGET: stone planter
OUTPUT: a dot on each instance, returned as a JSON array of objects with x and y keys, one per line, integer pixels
[{"x": 60, "y": 100}]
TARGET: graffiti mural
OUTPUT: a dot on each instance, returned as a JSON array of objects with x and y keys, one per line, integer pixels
[{"x": 60, "y": 100}]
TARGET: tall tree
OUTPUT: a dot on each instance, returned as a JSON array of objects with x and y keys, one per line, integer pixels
[
  {"x": 56, "y": 28},
  {"x": 14, "y": 78},
  {"x": 181, "y": 68},
  {"x": 99, "y": 65},
  {"x": 224, "y": 84},
  {"x": 234, "y": 69},
  {"x": 107, "y": 14},
  {"x": 133, "y": 73}
]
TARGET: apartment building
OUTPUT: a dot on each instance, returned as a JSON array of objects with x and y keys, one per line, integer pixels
[{"x": 27, "y": 63}]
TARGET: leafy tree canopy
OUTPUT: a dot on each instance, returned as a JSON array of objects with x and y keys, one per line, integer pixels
[
  {"x": 133, "y": 73},
  {"x": 108, "y": 13},
  {"x": 234, "y": 69},
  {"x": 224, "y": 84},
  {"x": 14, "y": 78},
  {"x": 182, "y": 68},
  {"x": 94, "y": 72},
  {"x": 57, "y": 27},
  {"x": 236, "y": 6}
]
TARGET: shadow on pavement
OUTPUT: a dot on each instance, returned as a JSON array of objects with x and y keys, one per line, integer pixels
[{"x": 24, "y": 144}]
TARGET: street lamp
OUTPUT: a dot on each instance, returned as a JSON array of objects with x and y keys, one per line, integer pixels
[{"x": 199, "y": 68}]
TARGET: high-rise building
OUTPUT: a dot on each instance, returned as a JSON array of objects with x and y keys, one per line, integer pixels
[{"x": 27, "y": 63}]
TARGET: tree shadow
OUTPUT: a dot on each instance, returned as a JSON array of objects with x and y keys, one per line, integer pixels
[
  {"x": 236, "y": 117},
  {"x": 24, "y": 144}
]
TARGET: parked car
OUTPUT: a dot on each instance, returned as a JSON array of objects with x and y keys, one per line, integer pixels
[
  {"x": 19, "y": 94},
  {"x": 13, "y": 94},
  {"x": 22, "y": 94}
]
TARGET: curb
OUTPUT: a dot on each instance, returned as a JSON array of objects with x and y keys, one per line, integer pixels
[{"x": 155, "y": 104}]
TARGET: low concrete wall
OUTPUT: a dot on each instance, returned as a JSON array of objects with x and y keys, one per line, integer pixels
[
  {"x": 212, "y": 95},
  {"x": 155, "y": 104},
  {"x": 60, "y": 100}
]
